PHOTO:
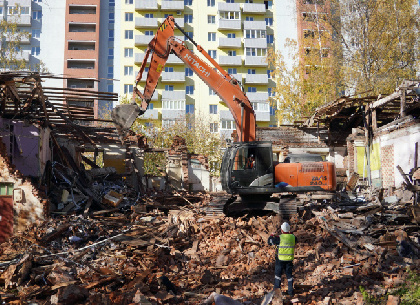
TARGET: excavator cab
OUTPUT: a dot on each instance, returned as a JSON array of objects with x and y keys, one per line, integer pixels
[{"x": 247, "y": 165}]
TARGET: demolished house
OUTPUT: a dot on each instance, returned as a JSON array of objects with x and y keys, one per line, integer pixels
[{"x": 94, "y": 230}]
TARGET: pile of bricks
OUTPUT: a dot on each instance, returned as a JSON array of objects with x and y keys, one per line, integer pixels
[{"x": 183, "y": 256}]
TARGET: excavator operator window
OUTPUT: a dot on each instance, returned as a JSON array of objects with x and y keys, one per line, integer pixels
[{"x": 245, "y": 159}]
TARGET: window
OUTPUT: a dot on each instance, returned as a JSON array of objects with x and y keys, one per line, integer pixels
[
  {"x": 231, "y": 35},
  {"x": 187, "y": 2},
  {"x": 189, "y": 89},
  {"x": 230, "y": 1},
  {"x": 188, "y": 18},
  {"x": 110, "y": 88},
  {"x": 37, "y": 0},
  {"x": 270, "y": 38},
  {"x": 110, "y": 72},
  {"x": 111, "y": 17},
  {"x": 188, "y": 72},
  {"x": 263, "y": 107},
  {"x": 232, "y": 70},
  {"x": 128, "y": 34},
  {"x": 6, "y": 189},
  {"x": 255, "y": 52},
  {"x": 252, "y": 89},
  {"x": 269, "y": 21},
  {"x": 249, "y": 1},
  {"x": 269, "y": 73},
  {"x": 36, "y": 33},
  {"x": 190, "y": 34},
  {"x": 211, "y": 3},
  {"x": 211, "y": 36},
  {"x": 111, "y": 35},
  {"x": 150, "y": 106},
  {"x": 36, "y": 15},
  {"x": 230, "y": 15},
  {"x": 169, "y": 88},
  {"x": 110, "y": 53},
  {"x": 128, "y": 1},
  {"x": 35, "y": 51},
  {"x": 272, "y": 111},
  {"x": 128, "y": 70},
  {"x": 231, "y": 53},
  {"x": 169, "y": 69},
  {"x": 128, "y": 16},
  {"x": 111, "y": 4},
  {"x": 173, "y": 105},
  {"x": 1, "y": 10},
  {"x": 189, "y": 109},
  {"x": 268, "y": 5},
  {"x": 128, "y": 52},
  {"x": 24, "y": 10},
  {"x": 230, "y": 125},
  {"x": 213, "y": 54},
  {"x": 248, "y": 18},
  {"x": 211, "y": 19},
  {"x": 12, "y": 10},
  {"x": 213, "y": 109},
  {"x": 308, "y": 34},
  {"x": 128, "y": 89},
  {"x": 148, "y": 33},
  {"x": 214, "y": 127},
  {"x": 270, "y": 92},
  {"x": 212, "y": 92},
  {"x": 148, "y": 15},
  {"x": 251, "y": 71}
]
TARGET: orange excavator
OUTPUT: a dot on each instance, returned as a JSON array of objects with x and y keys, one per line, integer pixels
[{"x": 247, "y": 170}]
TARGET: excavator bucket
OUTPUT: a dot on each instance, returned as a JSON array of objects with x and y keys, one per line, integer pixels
[{"x": 124, "y": 116}]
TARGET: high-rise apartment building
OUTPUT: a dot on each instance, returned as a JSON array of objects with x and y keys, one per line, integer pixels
[
  {"x": 72, "y": 38},
  {"x": 237, "y": 34}
]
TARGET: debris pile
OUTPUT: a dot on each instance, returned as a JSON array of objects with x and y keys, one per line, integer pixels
[{"x": 173, "y": 253}]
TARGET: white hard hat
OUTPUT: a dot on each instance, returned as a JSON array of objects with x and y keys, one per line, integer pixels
[{"x": 285, "y": 227}]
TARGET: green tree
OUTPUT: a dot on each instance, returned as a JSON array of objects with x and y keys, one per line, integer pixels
[{"x": 10, "y": 42}]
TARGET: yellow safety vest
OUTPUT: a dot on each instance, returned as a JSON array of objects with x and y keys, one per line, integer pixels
[{"x": 286, "y": 247}]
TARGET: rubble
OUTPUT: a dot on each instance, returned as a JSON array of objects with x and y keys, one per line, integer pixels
[{"x": 173, "y": 252}]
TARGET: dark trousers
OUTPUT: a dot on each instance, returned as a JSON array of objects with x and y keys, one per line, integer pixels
[{"x": 286, "y": 267}]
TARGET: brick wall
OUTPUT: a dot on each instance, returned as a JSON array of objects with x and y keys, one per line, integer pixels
[{"x": 387, "y": 162}]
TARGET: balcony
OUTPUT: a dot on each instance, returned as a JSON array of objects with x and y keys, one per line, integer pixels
[
  {"x": 173, "y": 77},
  {"x": 256, "y": 61},
  {"x": 257, "y": 96},
  {"x": 174, "y": 60},
  {"x": 180, "y": 22},
  {"x": 24, "y": 39},
  {"x": 262, "y": 116},
  {"x": 260, "y": 43},
  {"x": 177, "y": 95},
  {"x": 237, "y": 77},
  {"x": 228, "y": 7},
  {"x": 255, "y": 25},
  {"x": 142, "y": 40},
  {"x": 142, "y": 22},
  {"x": 20, "y": 20},
  {"x": 150, "y": 114},
  {"x": 172, "y": 5},
  {"x": 256, "y": 79},
  {"x": 170, "y": 114},
  {"x": 23, "y": 56},
  {"x": 230, "y": 60},
  {"x": 145, "y": 5},
  {"x": 229, "y": 24},
  {"x": 138, "y": 58},
  {"x": 230, "y": 43},
  {"x": 226, "y": 115},
  {"x": 254, "y": 8}
]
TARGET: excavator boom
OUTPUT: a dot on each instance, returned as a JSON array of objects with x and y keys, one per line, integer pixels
[{"x": 228, "y": 88}]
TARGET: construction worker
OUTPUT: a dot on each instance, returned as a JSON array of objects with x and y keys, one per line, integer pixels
[
  {"x": 251, "y": 162},
  {"x": 285, "y": 255}
]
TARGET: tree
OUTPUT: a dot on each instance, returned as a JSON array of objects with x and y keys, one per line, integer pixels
[
  {"x": 380, "y": 43},
  {"x": 10, "y": 42}
]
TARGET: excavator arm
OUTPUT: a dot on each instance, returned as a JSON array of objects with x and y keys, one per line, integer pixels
[{"x": 225, "y": 86}]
